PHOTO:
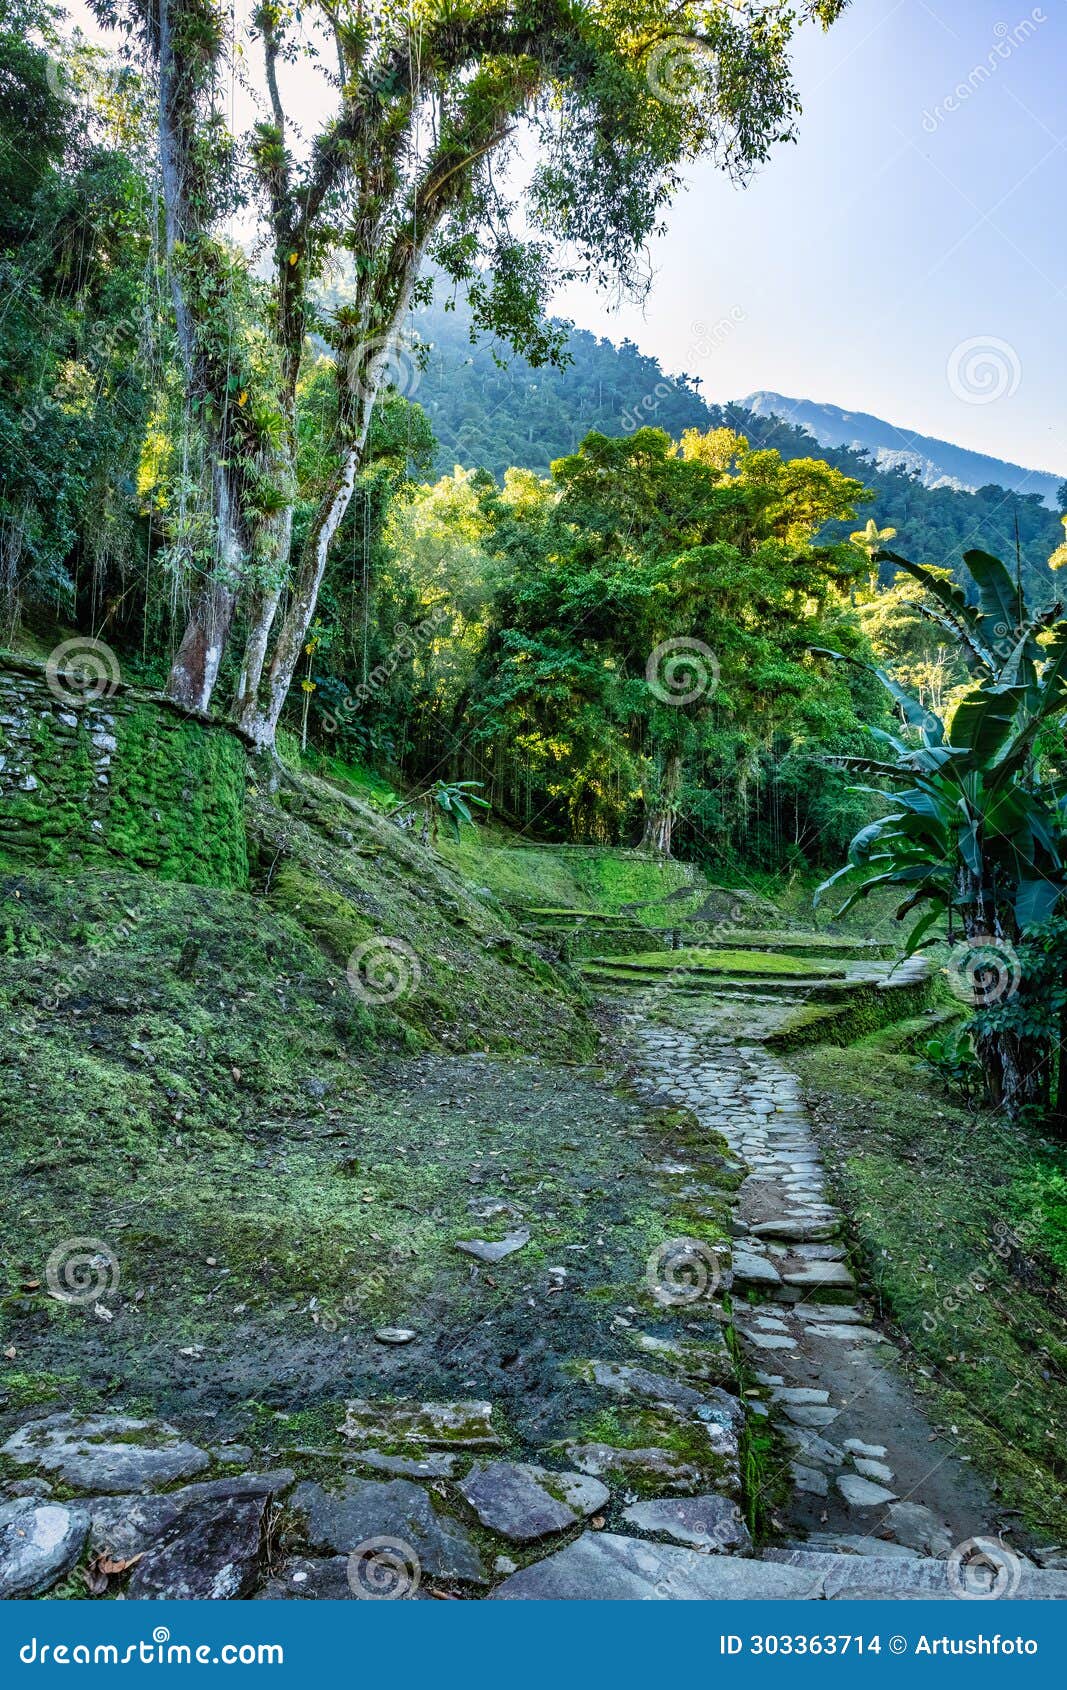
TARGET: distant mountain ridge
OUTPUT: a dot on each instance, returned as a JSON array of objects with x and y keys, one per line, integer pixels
[
  {"x": 937, "y": 463},
  {"x": 491, "y": 414}
]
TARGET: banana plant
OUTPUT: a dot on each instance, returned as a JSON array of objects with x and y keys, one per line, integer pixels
[{"x": 973, "y": 834}]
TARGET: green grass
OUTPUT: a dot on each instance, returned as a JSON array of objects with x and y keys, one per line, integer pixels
[
  {"x": 727, "y": 962},
  {"x": 547, "y": 879},
  {"x": 961, "y": 1224}
]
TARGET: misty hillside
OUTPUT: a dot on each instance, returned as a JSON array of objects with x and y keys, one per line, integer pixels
[{"x": 937, "y": 463}]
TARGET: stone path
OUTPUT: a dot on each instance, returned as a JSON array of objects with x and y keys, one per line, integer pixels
[
  {"x": 869, "y": 1474},
  {"x": 426, "y": 1500}
]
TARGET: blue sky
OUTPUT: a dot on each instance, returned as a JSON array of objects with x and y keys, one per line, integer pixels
[{"x": 870, "y": 264}]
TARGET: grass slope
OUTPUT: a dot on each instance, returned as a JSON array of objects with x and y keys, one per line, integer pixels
[{"x": 960, "y": 1228}]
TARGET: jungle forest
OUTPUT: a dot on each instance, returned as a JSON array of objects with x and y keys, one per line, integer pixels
[{"x": 533, "y": 899}]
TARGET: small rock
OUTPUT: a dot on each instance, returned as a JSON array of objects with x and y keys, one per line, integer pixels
[
  {"x": 873, "y": 1469},
  {"x": 504, "y": 1565},
  {"x": 811, "y": 1414},
  {"x": 861, "y": 1493},
  {"x": 461, "y": 1425},
  {"x": 625, "y": 1381},
  {"x": 848, "y": 1334},
  {"x": 657, "y": 1466},
  {"x": 104, "y": 1453},
  {"x": 310, "y": 1579},
  {"x": 810, "y": 1480},
  {"x": 918, "y": 1528},
  {"x": 813, "y": 1447},
  {"x": 875, "y": 1452},
  {"x": 795, "y": 1231},
  {"x": 24, "y": 1487},
  {"x": 338, "y": 1521},
  {"x": 211, "y": 1553},
  {"x": 39, "y": 1542},
  {"x": 430, "y": 1466},
  {"x": 232, "y": 1455},
  {"x": 394, "y": 1334},
  {"x": 820, "y": 1276},
  {"x": 707, "y": 1360},
  {"x": 516, "y": 1498},
  {"x": 704, "y": 1522},
  {"x": 750, "y": 1269},
  {"x": 494, "y": 1252}
]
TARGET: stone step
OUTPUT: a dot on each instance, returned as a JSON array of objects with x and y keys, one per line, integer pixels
[
  {"x": 821, "y": 1276},
  {"x": 887, "y": 1574},
  {"x": 607, "y": 1567}
]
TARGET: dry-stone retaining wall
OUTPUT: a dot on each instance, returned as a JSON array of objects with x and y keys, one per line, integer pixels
[{"x": 123, "y": 779}]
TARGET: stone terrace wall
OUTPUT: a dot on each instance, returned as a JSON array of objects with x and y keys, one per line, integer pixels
[{"x": 123, "y": 779}]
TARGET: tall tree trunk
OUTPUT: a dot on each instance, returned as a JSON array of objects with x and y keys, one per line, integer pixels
[
  {"x": 195, "y": 667},
  {"x": 659, "y": 822},
  {"x": 1016, "y": 1067},
  {"x": 262, "y": 611},
  {"x": 261, "y": 722},
  {"x": 360, "y": 366}
]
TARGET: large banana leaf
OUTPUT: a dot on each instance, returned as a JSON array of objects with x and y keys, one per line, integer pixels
[
  {"x": 986, "y": 719},
  {"x": 969, "y": 826},
  {"x": 1000, "y": 598},
  {"x": 915, "y": 714}
]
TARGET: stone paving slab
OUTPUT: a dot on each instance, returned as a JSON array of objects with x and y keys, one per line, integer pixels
[{"x": 603, "y": 1567}]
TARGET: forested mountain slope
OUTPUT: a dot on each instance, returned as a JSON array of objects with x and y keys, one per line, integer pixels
[
  {"x": 494, "y": 416},
  {"x": 938, "y": 463}
]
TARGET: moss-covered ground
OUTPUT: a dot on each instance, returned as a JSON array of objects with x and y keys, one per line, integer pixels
[
  {"x": 275, "y": 1165},
  {"x": 699, "y": 961},
  {"x": 960, "y": 1231}
]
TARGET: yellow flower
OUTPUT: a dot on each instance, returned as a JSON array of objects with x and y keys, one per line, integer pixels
[{"x": 308, "y": 686}]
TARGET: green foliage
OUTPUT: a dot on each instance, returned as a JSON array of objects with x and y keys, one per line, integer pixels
[
  {"x": 74, "y": 227},
  {"x": 445, "y": 804},
  {"x": 942, "y": 1205},
  {"x": 974, "y": 831},
  {"x": 496, "y": 412},
  {"x": 953, "y": 1055}
]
